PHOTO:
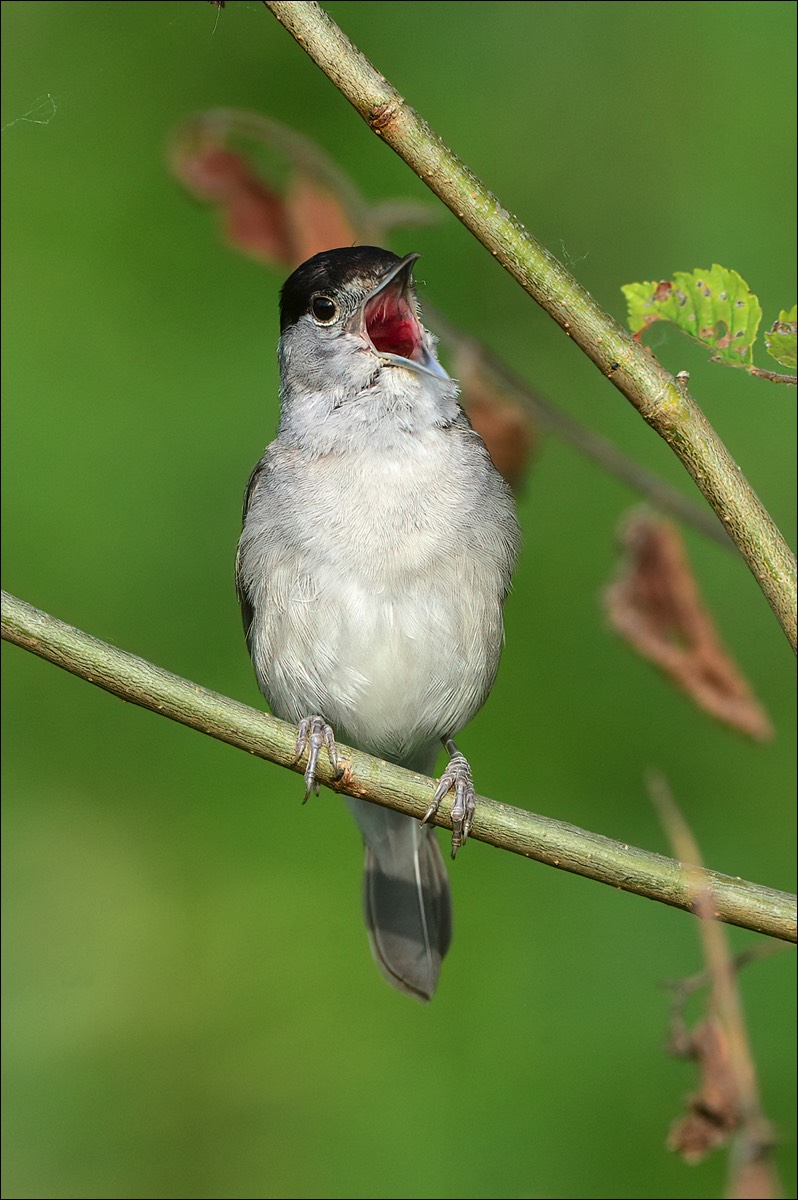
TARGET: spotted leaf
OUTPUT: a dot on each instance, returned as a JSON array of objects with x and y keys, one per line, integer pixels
[
  {"x": 716, "y": 307},
  {"x": 780, "y": 339}
]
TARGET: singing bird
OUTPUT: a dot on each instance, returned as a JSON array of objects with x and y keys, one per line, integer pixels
[{"x": 376, "y": 554}]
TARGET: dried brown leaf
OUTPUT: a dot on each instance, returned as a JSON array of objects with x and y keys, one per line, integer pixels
[
  {"x": 317, "y": 219},
  {"x": 726, "y": 1107},
  {"x": 656, "y": 606},
  {"x": 253, "y": 214},
  {"x": 715, "y": 1114},
  {"x": 505, "y": 427},
  {"x": 712, "y": 1112},
  {"x": 280, "y": 230},
  {"x": 283, "y": 224}
]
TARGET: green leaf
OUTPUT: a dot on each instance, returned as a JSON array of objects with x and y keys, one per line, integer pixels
[
  {"x": 716, "y": 307},
  {"x": 780, "y": 339}
]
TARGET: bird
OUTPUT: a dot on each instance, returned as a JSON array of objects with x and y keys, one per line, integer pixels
[{"x": 377, "y": 550}]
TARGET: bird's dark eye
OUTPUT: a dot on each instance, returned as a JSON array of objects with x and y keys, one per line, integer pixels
[{"x": 324, "y": 310}]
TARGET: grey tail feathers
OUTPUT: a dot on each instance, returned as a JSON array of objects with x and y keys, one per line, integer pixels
[{"x": 406, "y": 898}]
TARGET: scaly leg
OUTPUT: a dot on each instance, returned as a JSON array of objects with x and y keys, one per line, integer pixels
[
  {"x": 457, "y": 777},
  {"x": 314, "y": 732}
]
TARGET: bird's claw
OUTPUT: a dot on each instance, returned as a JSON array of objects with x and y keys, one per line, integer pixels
[
  {"x": 314, "y": 732},
  {"x": 457, "y": 778}
]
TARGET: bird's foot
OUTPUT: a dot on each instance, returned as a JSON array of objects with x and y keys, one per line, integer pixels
[
  {"x": 314, "y": 732},
  {"x": 457, "y": 778}
]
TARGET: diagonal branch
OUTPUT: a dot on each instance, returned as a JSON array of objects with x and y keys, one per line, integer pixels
[
  {"x": 583, "y": 439},
  {"x": 660, "y": 399},
  {"x": 554, "y": 843},
  {"x": 264, "y": 224}
]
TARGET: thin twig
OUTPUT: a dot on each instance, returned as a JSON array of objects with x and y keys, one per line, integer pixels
[
  {"x": 772, "y": 376},
  {"x": 554, "y": 843},
  {"x": 683, "y": 989},
  {"x": 653, "y": 391},
  {"x": 751, "y": 1153}
]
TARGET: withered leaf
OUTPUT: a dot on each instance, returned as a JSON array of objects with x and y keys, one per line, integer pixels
[
  {"x": 253, "y": 214},
  {"x": 505, "y": 428},
  {"x": 317, "y": 219},
  {"x": 713, "y": 1111},
  {"x": 280, "y": 230},
  {"x": 656, "y": 606}
]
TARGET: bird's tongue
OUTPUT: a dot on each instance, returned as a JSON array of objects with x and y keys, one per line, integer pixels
[{"x": 392, "y": 325}]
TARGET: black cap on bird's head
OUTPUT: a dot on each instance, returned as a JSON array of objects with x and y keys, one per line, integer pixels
[
  {"x": 350, "y": 269},
  {"x": 367, "y": 293}
]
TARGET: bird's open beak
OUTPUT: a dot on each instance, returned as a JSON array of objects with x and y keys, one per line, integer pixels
[{"x": 387, "y": 322}]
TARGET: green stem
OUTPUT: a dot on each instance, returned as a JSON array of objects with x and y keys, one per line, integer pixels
[
  {"x": 658, "y": 397},
  {"x": 554, "y": 843}
]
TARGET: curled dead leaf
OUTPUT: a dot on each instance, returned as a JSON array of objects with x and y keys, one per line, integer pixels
[
  {"x": 656, "y": 606},
  {"x": 253, "y": 215},
  {"x": 313, "y": 207},
  {"x": 317, "y": 219},
  {"x": 505, "y": 427},
  {"x": 713, "y": 1111},
  {"x": 257, "y": 220}
]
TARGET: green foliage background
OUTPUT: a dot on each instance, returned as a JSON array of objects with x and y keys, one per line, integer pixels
[{"x": 191, "y": 1009}]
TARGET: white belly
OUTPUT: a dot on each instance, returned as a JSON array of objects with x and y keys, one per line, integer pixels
[{"x": 377, "y": 597}]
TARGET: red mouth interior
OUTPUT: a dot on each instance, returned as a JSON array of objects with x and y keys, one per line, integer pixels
[{"x": 392, "y": 325}]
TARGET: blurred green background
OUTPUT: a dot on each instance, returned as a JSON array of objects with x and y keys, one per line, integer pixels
[{"x": 191, "y": 1008}]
